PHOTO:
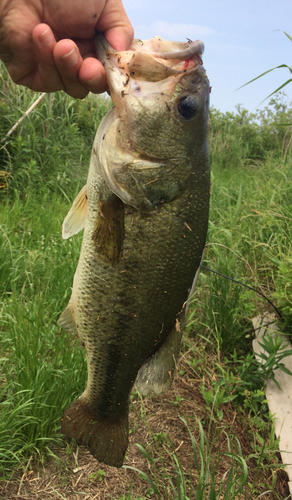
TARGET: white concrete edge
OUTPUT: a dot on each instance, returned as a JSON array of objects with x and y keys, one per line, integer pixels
[{"x": 279, "y": 401}]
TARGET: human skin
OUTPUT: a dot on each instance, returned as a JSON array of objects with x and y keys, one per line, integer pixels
[{"x": 47, "y": 45}]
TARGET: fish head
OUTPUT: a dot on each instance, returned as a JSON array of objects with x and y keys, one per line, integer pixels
[{"x": 161, "y": 95}]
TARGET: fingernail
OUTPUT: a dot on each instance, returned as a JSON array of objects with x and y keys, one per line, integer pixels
[
  {"x": 47, "y": 37},
  {"x": 96, "y": 79},
  {"x": 71, "y": 58}
]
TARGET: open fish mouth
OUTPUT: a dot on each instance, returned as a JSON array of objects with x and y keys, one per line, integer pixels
[
  {"x": 156, "y": 85},
  {"x": 147, "y": 61}
]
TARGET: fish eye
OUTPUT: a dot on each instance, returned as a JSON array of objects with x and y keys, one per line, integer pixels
[{"x": 187, "y": 107}]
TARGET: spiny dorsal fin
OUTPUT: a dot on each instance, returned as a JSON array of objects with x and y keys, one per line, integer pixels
[{"x": 75, "y": 219}]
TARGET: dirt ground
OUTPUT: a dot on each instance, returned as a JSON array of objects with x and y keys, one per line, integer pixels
[{"x": 77, "y": 475}]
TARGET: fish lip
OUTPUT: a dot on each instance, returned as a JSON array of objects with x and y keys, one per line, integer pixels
[
  {"x": 102, "y": 47},
  {"x": 195, "y": 48}
]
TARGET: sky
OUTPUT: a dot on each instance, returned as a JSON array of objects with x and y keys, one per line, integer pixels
[{"x": 242, "y": 38}]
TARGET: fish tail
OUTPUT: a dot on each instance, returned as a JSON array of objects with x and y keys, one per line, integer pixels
[{"x": 107, "y": 440}]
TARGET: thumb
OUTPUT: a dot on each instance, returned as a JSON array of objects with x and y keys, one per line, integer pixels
[{"x": 115, "y": 25}]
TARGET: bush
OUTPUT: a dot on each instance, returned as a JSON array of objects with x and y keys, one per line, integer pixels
[{"x": 237, "y": 138}]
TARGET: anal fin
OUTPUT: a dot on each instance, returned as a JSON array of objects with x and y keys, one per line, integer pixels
[{"x": 156, "y": 374}]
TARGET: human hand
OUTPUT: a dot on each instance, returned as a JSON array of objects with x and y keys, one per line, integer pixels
[{"x": 47, "y": 45}]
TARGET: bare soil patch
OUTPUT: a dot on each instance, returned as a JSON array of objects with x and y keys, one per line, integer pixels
[{"x": 77, "y": 475}]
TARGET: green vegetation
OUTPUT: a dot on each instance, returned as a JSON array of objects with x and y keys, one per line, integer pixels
[{"x": 43, "y": 165}]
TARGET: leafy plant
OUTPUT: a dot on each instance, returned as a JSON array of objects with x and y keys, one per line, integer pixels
[
  {"x": 274, "y": 351},
  {"x": 217, "y": 396}
]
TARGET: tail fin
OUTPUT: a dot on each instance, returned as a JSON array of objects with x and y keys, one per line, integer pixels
[{"x": 107, "y": 440}]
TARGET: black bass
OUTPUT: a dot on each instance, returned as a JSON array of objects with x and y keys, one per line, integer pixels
[{"x": 144, "y": 211}]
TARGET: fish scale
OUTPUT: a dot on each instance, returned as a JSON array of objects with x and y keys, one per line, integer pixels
[{"x": 142, "y": 246}]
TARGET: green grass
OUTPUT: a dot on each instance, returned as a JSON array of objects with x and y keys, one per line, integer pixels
[
  {"x": 41, "y": 369},
  {"x": 249, "y": 239},
  {"x": 203, "y": 471},
  {"x": 204, "y": 479}
]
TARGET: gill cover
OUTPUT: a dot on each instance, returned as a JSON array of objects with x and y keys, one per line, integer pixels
[{"x": 144, "y": 83}]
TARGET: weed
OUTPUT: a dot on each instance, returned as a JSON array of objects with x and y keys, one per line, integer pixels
[
  {"x": 204, "y": 480},
  {"x": 178, "y": 399},
  {"x": 99, "y": 476},
  {"x": 274, "y": 351},
  {"x": 283, "y": 291}
]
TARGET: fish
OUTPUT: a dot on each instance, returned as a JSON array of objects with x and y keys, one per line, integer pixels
[{"x": 144, "y": 211}]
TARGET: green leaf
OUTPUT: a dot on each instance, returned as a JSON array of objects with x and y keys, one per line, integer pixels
[
  {"x": 268, "y": 71},
  {"x": 285, "y": 370},
  {"x": 265, "y": 73},
  {"x": 290, "y": 38},
  {"x": 146, "y": 477},
  {"x": 144, "y": 453}
]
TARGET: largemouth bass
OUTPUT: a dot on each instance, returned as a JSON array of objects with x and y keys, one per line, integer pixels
[{"x": 144, "y": 211}]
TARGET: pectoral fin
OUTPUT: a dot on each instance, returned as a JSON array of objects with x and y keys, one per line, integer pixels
[
  {"x": 109, "y": 231},
  {"x": 75, "y": 219},
  {"x": 156, "y": 374},
  {"x": 66, "y": 320}
]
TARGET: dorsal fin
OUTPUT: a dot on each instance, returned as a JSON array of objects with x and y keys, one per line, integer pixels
[{"x": 75, "y": 219}]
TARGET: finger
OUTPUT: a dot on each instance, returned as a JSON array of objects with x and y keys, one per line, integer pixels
[
  {"x": 47, "y": 78},
  {"x": 119, "y": 38},
  {"x": 68, "y": 61},
  {"x": 92, "y": 74},
  {"x": 116, "y": 26}
]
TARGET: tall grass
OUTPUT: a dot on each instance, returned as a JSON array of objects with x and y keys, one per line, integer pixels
[
  {"x": 249, "y": 239},
  {"x": 42, "y": 369}
]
